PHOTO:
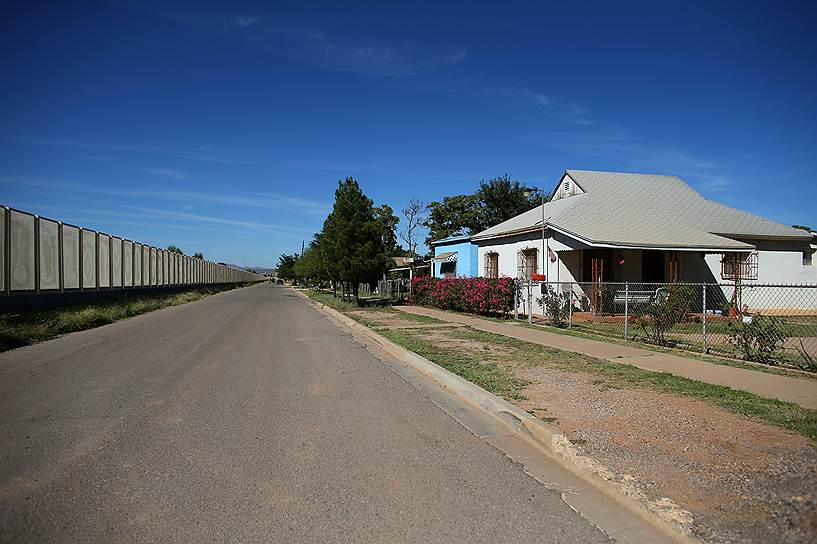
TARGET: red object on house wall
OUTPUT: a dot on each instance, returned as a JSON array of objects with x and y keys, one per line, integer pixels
[
  {"x": 538, "y": 277},
  {"x": 620, "y": 260}
]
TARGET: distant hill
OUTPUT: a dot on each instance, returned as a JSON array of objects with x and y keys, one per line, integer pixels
[{"x": 259, "y": 269}]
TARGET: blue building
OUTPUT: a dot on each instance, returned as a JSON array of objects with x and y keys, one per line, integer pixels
[{"x": 455, "y": 257}]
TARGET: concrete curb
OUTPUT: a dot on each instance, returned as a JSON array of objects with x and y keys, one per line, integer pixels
[
  {"x": 546, "y": 439},
  {"x": 519, "y": 421}
]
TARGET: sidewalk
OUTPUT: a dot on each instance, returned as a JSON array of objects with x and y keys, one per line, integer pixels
[{"x": 800, "y": 391}]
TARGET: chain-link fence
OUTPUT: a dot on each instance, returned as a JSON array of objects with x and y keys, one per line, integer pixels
[{"x": 771, "y": 324}]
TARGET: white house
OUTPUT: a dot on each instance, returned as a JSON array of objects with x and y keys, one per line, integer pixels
[{"x": 620, "y": 227}]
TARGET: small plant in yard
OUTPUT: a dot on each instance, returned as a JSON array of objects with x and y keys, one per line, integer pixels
[
  {"x": 664, "y": 313},
  {"x": 557, "y": 305},
  {"x": 758, "y": 338}
]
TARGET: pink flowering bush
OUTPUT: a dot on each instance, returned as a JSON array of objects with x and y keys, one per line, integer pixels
[{"x": 471, "y": 295}]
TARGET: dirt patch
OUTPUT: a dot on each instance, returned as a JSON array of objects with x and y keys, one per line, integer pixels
[
  {"x": 486, "y": 350},
  {"x": 742, "y": 481},
  {"x": 391, "y": 319}
]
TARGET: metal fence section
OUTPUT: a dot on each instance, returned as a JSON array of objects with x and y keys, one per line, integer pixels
[
  {"x": 770, "y": 324},
  {"x": 396, "y": 290},
  {"x": 40, "y": 255}
]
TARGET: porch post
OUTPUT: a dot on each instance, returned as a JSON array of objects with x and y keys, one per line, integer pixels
[
  {"x": 703, "y": 315},
  {"x": 626, "y": 307}
]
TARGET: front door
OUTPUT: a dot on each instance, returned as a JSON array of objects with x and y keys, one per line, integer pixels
[{"x": 652, "y": 266}]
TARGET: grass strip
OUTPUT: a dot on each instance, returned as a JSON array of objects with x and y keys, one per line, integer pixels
[
  {"x": 487, "y": 375},
  {"x": 24, "y": 328},
  {"x": 787, "y": 415},
  {"x": 612, "y": 338}
]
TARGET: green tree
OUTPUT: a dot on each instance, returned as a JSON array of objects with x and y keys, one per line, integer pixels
[
  {"x": 503, "y": 198},
  {"x": 286, "y": 266},
  {"x": 358, "y": 238},
  {"x": 199, "y": 255},
  {"x": 452, "y": 216},
  {"x": 173, "y": 249},
  {"x": 496, "y": 200}
]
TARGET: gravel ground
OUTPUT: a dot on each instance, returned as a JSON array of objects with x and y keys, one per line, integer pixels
[{"x": 741, "y": 481}]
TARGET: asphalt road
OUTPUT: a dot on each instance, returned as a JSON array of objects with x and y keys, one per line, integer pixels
[{"x": 246, "y": 416}]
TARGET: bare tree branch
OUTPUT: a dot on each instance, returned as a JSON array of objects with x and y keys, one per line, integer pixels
[{"x": 415, "y": 216}]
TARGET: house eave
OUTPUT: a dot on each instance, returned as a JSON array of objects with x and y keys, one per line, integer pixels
[{"x": 614, "y": 245}]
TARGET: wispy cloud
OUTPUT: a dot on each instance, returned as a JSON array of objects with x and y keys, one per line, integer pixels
[
  {"x": 532, "y": 97},
  {"x": 270, "y": 201},
  {"x": 375, "y": 59},
  {"x": 165, "y": 172},
  {"x": 244, "y": 22},
  {"x": 621, "y": 145},
  {"x": 279, "y": 230},
  {"x": 201, "y": 153}
]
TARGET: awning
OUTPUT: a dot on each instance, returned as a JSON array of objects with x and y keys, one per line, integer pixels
[{"x": 447, "y": 257}]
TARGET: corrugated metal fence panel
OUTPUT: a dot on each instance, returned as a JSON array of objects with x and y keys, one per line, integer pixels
[
  {"x": 2, "y": 251},
  {"x": 116, "y": 261},
  {"x": 22, "y": 251},
  {"x": 49, "y": 254},
  {"x": 172, "y": 266},
  {"x": 137, "y": 265},
  {"x": 127, "y": 263},
  {"x": 104, "y": 242},
  {"x": 88, "y": 259},
  {"x": 70, "y": 257}
]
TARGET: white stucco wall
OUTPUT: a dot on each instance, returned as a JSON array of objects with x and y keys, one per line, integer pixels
[{"x": 778, "y": 263}]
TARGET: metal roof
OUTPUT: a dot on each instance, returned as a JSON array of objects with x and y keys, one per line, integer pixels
[
  {"x": 645, "y": 210},
  {"x": 447, "y": 257},
  {"x": 452, "y": 239}
]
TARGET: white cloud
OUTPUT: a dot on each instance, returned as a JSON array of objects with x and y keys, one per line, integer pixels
[
  {"x": 244, "y": 22},
  {"x": 164, "y": 172}
]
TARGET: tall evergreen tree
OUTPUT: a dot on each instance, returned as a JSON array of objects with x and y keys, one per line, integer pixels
[{"x": 358, "y": 239}]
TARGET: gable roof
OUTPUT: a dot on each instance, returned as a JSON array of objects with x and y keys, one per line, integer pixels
[{"x": 645, "y": 210}]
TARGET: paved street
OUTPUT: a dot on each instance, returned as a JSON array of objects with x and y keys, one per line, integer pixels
[{"x": 247, "y": 416}]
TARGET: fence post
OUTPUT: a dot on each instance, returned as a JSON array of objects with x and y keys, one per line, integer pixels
[
  {"x": 530, "y": 306},
  {"x": 516, "y": 302},
  {"x": 703, "y": 315},
  {"x": 570, "y": 307},
  {"x": 626, "y": 307}
]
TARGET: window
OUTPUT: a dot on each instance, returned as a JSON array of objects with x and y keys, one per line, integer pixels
[
  {"x": 739, "y": 266},
  {"x": 808, "y": 257},
  {"x": 566, "y": 187},
  {"x": 527, "y": 263},
  {"x": 448, "y": 269},
  {"x": 492, "y": 265}
]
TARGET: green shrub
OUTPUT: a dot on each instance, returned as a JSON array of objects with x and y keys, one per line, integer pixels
[
  {"x": 557, "y": 305},
  {"x": 758, "y": 338},
  {"x": 658, "y": 317}
]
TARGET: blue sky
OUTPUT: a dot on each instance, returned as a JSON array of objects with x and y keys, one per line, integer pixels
[{"x": 224, "y": 128}]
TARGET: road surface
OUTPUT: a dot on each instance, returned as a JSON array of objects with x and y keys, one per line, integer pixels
[{"x": 247, "y": 416}]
